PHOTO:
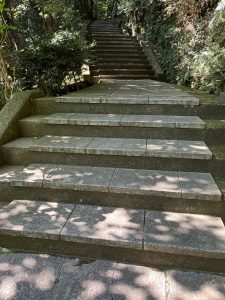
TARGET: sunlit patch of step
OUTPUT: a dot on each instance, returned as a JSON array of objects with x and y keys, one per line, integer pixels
[
  {"x": 172, "y": 184},
  {"x": 113, "y": 146},
  {"x": 198, "y": 239}
]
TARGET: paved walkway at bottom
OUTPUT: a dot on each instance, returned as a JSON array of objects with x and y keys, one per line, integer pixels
[{"x": 30, "y": 276}]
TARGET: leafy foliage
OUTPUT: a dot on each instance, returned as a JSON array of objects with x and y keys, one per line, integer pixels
[
  {"x": 44, "y": 43},
  {"x": 51, "y": 61},
  {"x": 188, "y": 37}
]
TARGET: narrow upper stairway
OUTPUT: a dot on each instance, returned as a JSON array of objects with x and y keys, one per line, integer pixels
[{"x": 117, "y": 55}]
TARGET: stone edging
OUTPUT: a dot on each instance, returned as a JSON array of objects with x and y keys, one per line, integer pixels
[
  {"x": 152, "y": 58},
  {"x": 16, "y": 108}
]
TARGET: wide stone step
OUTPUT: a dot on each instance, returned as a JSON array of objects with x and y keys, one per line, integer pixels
[
  {"x": 34, "y": 126},
  {"x": 117, "y": 181},
  {"x": 113, "y": 146},
  {"x": 124, "y": 120},
  {"x": 198, "y": 239},
  {"x": 136, "y": 190}
]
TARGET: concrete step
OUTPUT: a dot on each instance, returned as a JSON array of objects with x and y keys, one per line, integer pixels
[
  {"x": 106, "y": 32},
  {"x": 118, "y": 181},
  {"x": 108, "y": 71},
  {"x": 125, "y": 120},
  {"x": 215, "y": 112},
  {"x": 118, "y": 60},
  {"x": 113, "y": 56},
  {"x": 112, "y": 39},
  {"x": 96, "y": 79},
  {"x": 113, "y": 147},
  {"x": 34, "y": 126},
  {"x": 116, "y": 46},
  {"x": 94, "y": 185},
  {"x": 103, "y": 25},
  {"x": 132, "y": 99},
  {"x": 104, "y": 29},
  {"x": 102, "y": 65},
  {"x": 122, "y": 50},
  {"x": 116, "y": 43},
  {"x": 109, "y": 36},
  {"x": 166, "y": 155},
  {"x": 170, "y": 239}
]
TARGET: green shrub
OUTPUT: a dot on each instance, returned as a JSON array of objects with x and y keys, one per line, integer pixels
[
  {"x": 49, "y": 62},
  {"x": 188, "y": 37}
]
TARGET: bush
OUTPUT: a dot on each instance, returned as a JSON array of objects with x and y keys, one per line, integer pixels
[
  {"x": 49, "y": 62},
  {"x": 188, "y": 38}
]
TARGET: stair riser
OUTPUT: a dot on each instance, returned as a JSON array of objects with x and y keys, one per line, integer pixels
[
  {"x": 211, "y": 137},
  {"x": 204, "y": 111},
  {"x": 26, "y": 157},
  {"x": 126, "y": 255},
  {"x": 9, "y": 193}
]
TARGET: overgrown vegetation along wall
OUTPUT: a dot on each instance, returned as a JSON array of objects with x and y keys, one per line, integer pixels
[
  {"x": 189, "y": 38},
  {"x": 42, "y": 44}
]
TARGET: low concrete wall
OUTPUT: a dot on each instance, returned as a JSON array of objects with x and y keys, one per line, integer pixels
[
  {"x": 148, "y": 50},
  {"x": 15, "y": 109},
  {"x": 152, "y": 58}
]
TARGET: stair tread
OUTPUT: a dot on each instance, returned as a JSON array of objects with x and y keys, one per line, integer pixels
[
  {"x": 195, "y": 235},
  {"x": 125, "y": 120},
  {"x": 114, "y": 146},
  {"x": 172, "y": 184}
]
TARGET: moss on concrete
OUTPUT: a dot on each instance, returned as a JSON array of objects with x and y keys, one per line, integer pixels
[
  {"x": 18, "y": 107},
  {"x": 215, "y": 124},
  {"x": 203, "y": 96},
  {"x": 218, "y": 152}
]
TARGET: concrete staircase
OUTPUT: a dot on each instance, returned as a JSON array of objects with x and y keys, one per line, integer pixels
[
  {"x": 117, "y": 55},
  {"x": 124, "y": 170}
]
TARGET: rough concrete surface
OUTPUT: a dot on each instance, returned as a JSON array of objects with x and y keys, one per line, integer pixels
[{"x": 29, "y": 276}]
